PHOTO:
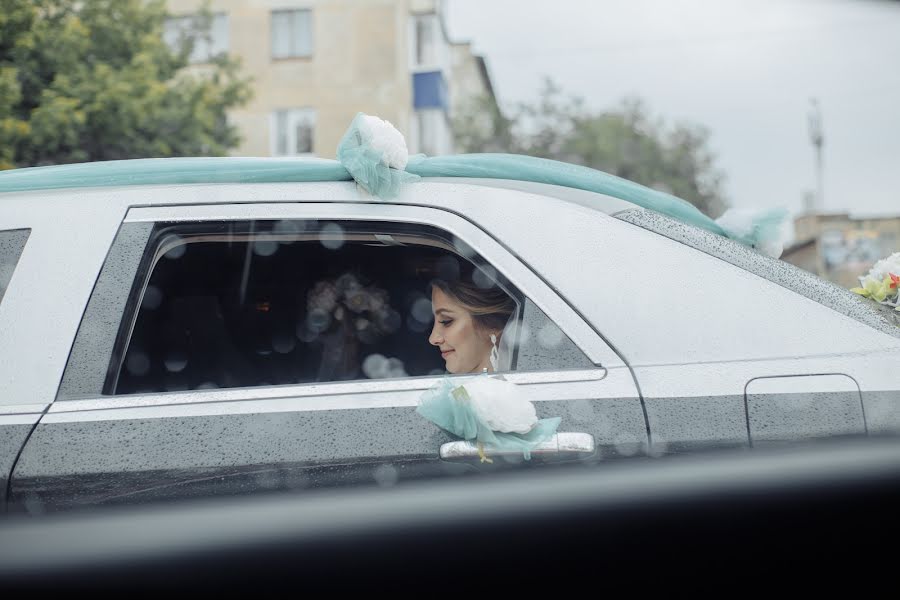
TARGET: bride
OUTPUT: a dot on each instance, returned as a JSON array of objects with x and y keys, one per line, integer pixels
[{"x": 468, "y": 324}]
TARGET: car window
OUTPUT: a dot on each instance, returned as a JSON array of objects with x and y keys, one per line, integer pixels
[
  {"x": 226, "y": 304},
  {"x": 12, "y": 242}
]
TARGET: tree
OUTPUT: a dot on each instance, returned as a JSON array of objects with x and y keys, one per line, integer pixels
[
  {"x": 623, "y": 141},
  {"x": 87, "y": 80}
]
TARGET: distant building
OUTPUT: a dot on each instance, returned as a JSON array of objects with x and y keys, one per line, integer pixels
[
  {"x": 839, "y": 247},
  {"x": 316, "y": 63}
]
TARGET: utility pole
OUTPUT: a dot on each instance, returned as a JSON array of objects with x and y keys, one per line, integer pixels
[{"x": 818, "y": 140}]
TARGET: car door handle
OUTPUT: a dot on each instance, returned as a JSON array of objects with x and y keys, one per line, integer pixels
[{"x": 560, "y": 446}]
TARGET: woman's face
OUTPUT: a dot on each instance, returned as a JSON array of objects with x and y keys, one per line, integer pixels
[{"x": 463, "y": 348}]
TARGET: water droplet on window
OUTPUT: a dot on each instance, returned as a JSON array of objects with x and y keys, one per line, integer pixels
[
  {"x": 318, "y": 320},
  {"x": 626, "y": 447},
  {"x": 395, "y": 368},
  {"x": 659, "y": 448},
  {"x": 484, "y": 277},
  {"x": 175, "y": 361},
  {"x": 332, "y": 236},
  {"x": 421, "y": 310},
  {"x": 176, "y": 252},
  {"x": 550, "y": 336},
  {"x": 375, "y": 366},
  {"x": 265, "y": 247},
  {"x": 137, "y": 364},
  {"x": 324, "y": 295},
  {"x": 152, "y": 298},
  {"x": 288, "y": 228},
  {"x": 389, "y": 320},
  {"x": 268, "y": 480},
  {"x": 416, "y": 325},
  {"x": 463, "y": 248},
  {"x": 283, "y": 343},
  {"x": 386, "y": 475},
  {"x": 524, "y": 334}
]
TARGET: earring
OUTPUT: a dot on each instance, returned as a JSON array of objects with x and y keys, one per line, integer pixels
[{"x": 495, "y": 354}]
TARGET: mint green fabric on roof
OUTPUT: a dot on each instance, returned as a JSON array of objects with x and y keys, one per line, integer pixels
[
  {"x": 161, "y": 171},
  {"x": 542, "y": 170},
  {"x": 158, "y": 171},
  {"x": 367, "y": 164}
]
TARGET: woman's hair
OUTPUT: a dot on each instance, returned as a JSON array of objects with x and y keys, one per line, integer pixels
[{"x": 490, "y": 307}]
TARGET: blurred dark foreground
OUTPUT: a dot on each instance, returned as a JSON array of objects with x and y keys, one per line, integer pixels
[{"x": 818, "y": 517}]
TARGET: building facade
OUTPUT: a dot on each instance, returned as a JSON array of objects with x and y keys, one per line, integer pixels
[
  {"x": 316, "y": 63},
  {"x": 841, "y": 248}
]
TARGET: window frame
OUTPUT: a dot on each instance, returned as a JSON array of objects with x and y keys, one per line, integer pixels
[
  {"x": 293, "y": 117},
  {"x": 292, "y": 52},
  {"x": 508, "y": 266},
  {"x": 185, "y": 22},
  {"x": 161, "y": 238},
  {"x": 441, "y": 135},
  {"x": 437, "y": 56}
]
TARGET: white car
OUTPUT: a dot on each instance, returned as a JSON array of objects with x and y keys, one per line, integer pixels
[{"x": 180, "y": 327}]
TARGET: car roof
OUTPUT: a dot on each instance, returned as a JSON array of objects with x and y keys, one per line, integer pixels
[{"x": 524, "y": 173}]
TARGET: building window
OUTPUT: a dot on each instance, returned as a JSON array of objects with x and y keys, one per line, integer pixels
[
  {"x": 424, "y": 42},
  {"x": 432, "y": 132},
  {"x": 207, "y": 45},
  {"x": 291, "y": 33},
  {"x": 292, "y": 132}
]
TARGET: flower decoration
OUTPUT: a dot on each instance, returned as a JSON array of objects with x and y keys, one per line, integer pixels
[
  {"x": 375, "y": 154},
  {"x": 758, "y": 228},
  {"x": 341, "y": 314},
  {"x": 882, "y": 282},
  {"x": 365, "y": 309},
  {"x": 489, "y": 411}
]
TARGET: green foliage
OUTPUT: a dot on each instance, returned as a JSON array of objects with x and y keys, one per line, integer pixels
[
  {"x": 624, "y": 141},
  {"x": 87, "y": 80}
]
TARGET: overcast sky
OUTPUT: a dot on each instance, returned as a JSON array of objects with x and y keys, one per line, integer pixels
[{"x": 746, "y": 69}]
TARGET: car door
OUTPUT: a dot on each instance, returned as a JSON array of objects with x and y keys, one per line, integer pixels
[
  {"x": 95, "y": 446},
  {"x": 766, "y": 351},
  {"x": 696, "y": 317},
  {"x": 16, "y": 420}
]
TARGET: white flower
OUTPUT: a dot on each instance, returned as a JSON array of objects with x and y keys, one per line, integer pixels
[
  {"x": 760, "y": 228},
  {"x": 322, "y": 296},
  {"x": 880, "y": 270},
  {"x": 738, "y": 221},
  {"x": 772, "y": 248},
  {"x": 357, "y": 300},
  {"x": 347, "y": 282},
  {"x": 385, "y": 138},
  {"x": 500, "y": 405}
]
